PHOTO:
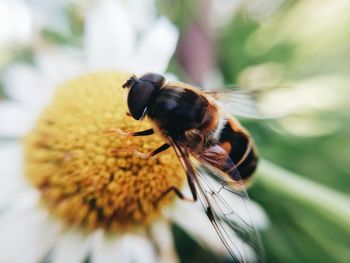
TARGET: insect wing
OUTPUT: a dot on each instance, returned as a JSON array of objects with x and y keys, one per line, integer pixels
[
  {"x": 227, "y": 209},
  {"x": 244, "y": 103},
  {"x": 230, "y": 212}
]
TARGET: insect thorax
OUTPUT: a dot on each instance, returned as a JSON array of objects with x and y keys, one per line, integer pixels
[{"x": 176, "y": 110}]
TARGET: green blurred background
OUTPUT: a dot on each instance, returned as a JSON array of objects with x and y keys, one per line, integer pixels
[{"x": 300, "y": 52}]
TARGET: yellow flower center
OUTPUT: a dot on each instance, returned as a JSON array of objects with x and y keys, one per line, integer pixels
[{"x": 70, "y": 158}]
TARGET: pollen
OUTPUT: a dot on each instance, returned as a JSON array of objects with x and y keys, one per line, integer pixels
[{"x": 82, "y": 177}]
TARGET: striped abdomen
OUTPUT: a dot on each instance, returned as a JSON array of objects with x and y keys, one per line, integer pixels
[{"x": 238, "y": 145}]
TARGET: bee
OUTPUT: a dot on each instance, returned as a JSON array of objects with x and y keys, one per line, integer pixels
[{"x": 193, "y": 124}]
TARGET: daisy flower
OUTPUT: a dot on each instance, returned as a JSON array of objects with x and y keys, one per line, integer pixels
[{"x": 66, "y": 194}]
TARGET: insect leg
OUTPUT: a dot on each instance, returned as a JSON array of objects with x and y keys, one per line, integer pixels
[
  {"x": 138, "y": 133},
  {"x": 140, "y": 154},
  {"x": 190, "y": 173},
  {"x": 176, "y": 191},
  {"x": 190, "y": 178},
  {"x": 179, "y": 193}
]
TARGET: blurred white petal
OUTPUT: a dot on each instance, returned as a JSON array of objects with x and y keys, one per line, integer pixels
[
  {"x": 58, "y": 65},
  {"x": 12, "y": 182},
  {"x": 35, "y": 86},
  {"x": 192, "y": 218},
  {"x": 109, "y": 38},
  {"x": 145, "y": 9},
  {"x": 163, "y": 238},
  {"x": 138, "y": 249},
  {"x": 16, "y": 23},
  {"x": 126, "y": 249},
  {"x": 156, "y": 47},
  {"x": 51, "y": 14},
  {"x": 105, "y": 251},
  {"x": 15, "y": 119},
  {"x": 27, "y": 85},
  {"x": 71, "y": 247},
  {"x": 25, "y": 203},
  {"x": 26, "y": 229}
]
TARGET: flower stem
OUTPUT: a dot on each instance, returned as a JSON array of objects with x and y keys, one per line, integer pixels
[{"x": 332, "y": 205}]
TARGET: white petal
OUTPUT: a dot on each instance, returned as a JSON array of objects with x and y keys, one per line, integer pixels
[
  {"x": 138, "y": 249},
  {"x": 156, "y": 48},
  {"x": 163, "y": 237},
  {"x": 125, "y": 249},
  {"x": 105, "y": 251},
  {"x": 35, "y": 85},
  {"x": 141, "y": 13},
  {"x": 193, "y": 220},
  {"x": 72, "y": 247},
  {"x": 51, "y": 14},
  {"x": 16, "y": 119},
  {"x": 11, "y": 173},
  {"x": 109, "y": 38},
  {"x": 26, "y": 202},
  {"x": 59, "y": 65},
  {"x": 27, "y": 231},
  {"x": 16, "y": 23},
  {"x": 27, "y": 85}
]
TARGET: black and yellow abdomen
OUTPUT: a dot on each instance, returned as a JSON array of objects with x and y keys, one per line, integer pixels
[{"x": 237, "y": 143}]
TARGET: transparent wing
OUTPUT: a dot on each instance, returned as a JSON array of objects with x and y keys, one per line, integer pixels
[
  {"x": 244, "y": 103},
  {"x": 229, "y": 210},
  {"x": 232, "y": 214}
]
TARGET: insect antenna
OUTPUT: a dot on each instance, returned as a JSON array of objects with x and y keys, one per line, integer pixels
[{"x": 130, "y": 82}]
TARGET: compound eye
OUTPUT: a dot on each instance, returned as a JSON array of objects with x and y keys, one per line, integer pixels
[
  {"x": 138, "y": 98},
  {"x": 155, "y": 79}
]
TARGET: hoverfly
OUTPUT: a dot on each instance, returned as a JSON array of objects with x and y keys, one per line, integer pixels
[{"x": 193, "y": 124}]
